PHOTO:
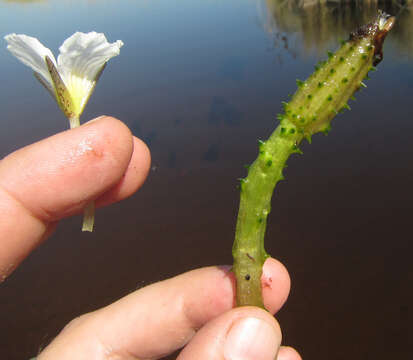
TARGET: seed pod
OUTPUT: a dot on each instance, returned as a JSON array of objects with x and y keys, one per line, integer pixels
[{"x": 327, "y": 90}]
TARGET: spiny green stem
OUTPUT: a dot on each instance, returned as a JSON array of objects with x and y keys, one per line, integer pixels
[
  {"x": 255, "y": 205},
  {"x": 318, "y": 99}
]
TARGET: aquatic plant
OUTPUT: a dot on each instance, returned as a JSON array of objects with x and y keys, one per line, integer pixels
[
  {"x": 316, "y": 102},
  {"x": 72, "y": 78}
]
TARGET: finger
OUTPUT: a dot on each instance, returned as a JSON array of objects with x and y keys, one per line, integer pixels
[
  {"x": 274, "y": 277},
  {"x": 246, "y": 333},
  {"x": 163, "y": 317},
  {"x": 133, "y": 178},
  {"x": 56, "y": 177},
  {"x": 288, "y": 353}
]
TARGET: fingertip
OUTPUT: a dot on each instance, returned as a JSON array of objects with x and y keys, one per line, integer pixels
[
  {"x": 111, "y": 135},
  {"x": 241, "y": 333},
  {"x": 140, "y": 162},
  {"x": 57, "y": 176},
  {"x": 275, "y": 284},
  {"x": 255, "y": 335},
  {"x": 134, "y": 176},
  {"x": 288, "y": 353}
]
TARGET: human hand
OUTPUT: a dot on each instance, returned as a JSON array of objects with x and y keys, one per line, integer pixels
[{"x": 101, "y": 160}]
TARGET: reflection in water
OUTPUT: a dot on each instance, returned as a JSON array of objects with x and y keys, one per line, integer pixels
[
  {"x": 24, "y": 1},
  {"x": 221, "y": 111},
  {"x": 212, "y": 154},
  {"x": 320, "y": 22},
  {"x": 233, "y": 68},
  {"x": 199, "y": 85}
]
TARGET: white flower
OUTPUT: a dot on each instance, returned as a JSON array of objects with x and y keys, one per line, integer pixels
[{"x": 72, "y": 78}]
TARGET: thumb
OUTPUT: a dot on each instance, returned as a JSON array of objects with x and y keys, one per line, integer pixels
[{"x": 246, "y": 333}]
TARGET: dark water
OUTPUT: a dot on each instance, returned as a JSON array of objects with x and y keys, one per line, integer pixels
[{"x": 200, "y": 82}]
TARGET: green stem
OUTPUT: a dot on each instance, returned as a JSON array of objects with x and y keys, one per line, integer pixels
[
  {"x": 89, "y": 211},
  {"x": 255, "y": 205},
  {"x": 318, "y": 99}
]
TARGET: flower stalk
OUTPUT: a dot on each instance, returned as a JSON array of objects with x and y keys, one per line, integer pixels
[
  {"x": 316, "y": 102},
  {"x": 88, "y": 217},
  {"x": 74, "y": 122},
  {"x": 89, "y": 210}
]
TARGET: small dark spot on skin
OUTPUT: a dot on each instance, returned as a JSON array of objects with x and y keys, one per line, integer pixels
[
  {"x": 97, "y": 153},
  {"x": 267, "y": 282},
  {"x": 247, "y": 277}
]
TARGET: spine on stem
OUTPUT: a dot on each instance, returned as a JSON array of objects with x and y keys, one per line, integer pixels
[{"x": 316, "y": 102}]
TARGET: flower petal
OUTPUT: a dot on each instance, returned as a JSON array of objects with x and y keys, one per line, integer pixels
[
  {"x": 32, "y": 53},
  {"x": 85, "y": 54},
  {"x": 81, "y": 61}
]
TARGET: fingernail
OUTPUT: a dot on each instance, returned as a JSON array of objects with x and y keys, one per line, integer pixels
[{"x": 251, "y": 339}]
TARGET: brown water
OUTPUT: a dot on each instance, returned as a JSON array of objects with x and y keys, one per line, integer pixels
[{"x": 200, "y": 82}]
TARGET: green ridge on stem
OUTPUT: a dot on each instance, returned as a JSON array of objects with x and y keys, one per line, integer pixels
[{"x": 318, "y": 99}]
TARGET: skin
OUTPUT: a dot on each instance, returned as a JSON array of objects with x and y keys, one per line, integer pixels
[{"x": 103, "y": 162}]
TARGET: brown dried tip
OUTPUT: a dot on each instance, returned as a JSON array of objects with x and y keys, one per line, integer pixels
[{"x": 377, "y": 30}]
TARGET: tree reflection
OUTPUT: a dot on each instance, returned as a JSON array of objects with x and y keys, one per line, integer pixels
[{"x": 319, "y": 23}]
